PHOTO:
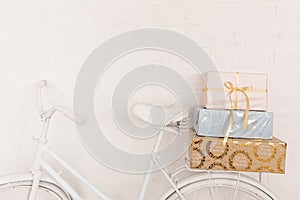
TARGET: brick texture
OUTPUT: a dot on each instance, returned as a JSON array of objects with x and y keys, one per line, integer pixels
[{"x": 51, "y": 39}]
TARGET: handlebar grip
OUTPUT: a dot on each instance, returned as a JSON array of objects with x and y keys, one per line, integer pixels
[
  {"x": 42, "y": 83},
  {"x": 39, "y": 101}
]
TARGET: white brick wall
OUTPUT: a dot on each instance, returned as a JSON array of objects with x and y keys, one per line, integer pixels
[{"x": 51, "y": 39}]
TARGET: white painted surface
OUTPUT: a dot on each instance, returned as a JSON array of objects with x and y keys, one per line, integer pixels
[{"x": 51, "y": 39}]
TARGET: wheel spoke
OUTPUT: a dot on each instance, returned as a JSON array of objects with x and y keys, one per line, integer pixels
[
  {"x": 236, "y": 186},
  {"x": 211, "y": 186}
]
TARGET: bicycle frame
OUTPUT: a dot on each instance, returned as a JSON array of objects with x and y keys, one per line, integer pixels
[
  {"x": 42, "y": 148},
  {"x": 40, "y": 164}
]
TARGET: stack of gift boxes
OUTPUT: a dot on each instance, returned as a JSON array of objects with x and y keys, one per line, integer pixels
[{"x": 233, "y": 130}]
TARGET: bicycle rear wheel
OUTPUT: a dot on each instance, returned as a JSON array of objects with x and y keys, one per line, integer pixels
[
  {"x": 221, "y": 186},
  {"x": 17, "y": 187}
]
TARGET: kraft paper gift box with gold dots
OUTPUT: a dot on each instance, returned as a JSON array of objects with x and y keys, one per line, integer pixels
[{"x": 210, "y": 153}]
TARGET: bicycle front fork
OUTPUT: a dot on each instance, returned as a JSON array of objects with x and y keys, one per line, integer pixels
[
  {"x": 37, "y": 175},
  {"x": 37, "y": 169}
]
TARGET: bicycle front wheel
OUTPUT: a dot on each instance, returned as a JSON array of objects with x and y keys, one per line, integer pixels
[
  {"x": 18, "y": 187},
  {"x": 221, "y": 186}
]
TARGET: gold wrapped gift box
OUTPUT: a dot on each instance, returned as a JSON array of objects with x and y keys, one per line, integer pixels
[{"x": 238, "y": 154}]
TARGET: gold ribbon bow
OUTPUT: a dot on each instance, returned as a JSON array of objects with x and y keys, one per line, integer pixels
[{"x": 234, "y": 105}]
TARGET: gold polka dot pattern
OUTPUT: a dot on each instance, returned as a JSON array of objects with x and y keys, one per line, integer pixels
[
  {"x": 258, "y": 157},
  {"x": 265, "y": 169},
  {"x": 280, "y": 163},
  {"x": 233, "y": 155},
  {"x": 238, "y": 154},
  {"x": 210, "y": 147}
]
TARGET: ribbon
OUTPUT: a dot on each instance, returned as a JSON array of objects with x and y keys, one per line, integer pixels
[
  {"x": 205, "y": 89},
  {"x": 234, "y": 105}
]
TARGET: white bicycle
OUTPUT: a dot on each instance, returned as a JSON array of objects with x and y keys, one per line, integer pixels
[{"x": 201, "y": 185}]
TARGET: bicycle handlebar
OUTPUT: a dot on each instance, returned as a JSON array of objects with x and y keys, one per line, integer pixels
[
  {"x": 39, "y": 100},
  {"x": 66, "y": 112},
  {"x": 56, "y": 108}
]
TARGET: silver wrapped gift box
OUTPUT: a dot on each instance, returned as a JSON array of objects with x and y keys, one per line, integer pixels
[{"x": 215, "y": 123}]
